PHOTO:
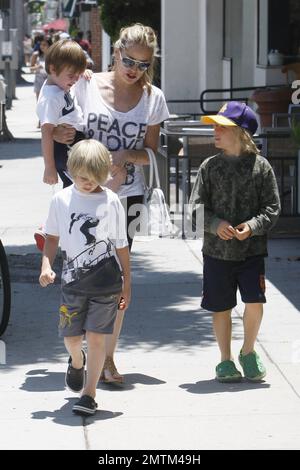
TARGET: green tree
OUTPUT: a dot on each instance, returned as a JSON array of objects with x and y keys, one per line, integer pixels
[{"x": 115, "y": 14}]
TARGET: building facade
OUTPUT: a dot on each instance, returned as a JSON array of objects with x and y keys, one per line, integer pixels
[{"x": 225, "y": 43}]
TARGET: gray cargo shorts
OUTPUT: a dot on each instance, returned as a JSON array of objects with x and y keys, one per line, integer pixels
[{"x": 80, "y": 313}]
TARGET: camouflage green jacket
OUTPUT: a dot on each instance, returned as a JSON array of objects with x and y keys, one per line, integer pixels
[{"x": 236, "y": 189}]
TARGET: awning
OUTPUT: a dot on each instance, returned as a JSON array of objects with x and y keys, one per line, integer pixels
[{"x": 58, "y": 25}]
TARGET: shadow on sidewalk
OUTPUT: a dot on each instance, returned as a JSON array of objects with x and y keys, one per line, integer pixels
[
  {"x": 283, "y": 267},
  {"x": 22, "y": 148},
  {"x": 42, "y": 380},
  {"x": 164, "y": 312},
  {"x": 65, "y": 417},
  {"x": 130, "y": 380},
  {"x": 213, "y": 386},
  {"x": 165, "y": 309}
]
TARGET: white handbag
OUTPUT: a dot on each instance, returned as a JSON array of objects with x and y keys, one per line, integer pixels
[{"x": 155, "y": 218}]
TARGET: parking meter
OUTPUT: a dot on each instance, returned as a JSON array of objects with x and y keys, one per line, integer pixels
[{"x": 9, "y": 49}]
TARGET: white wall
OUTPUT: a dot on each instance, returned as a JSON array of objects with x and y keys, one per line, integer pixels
[
  {"x": 180, "y": 51},
  {"x": 106, "y": 51},
  {"x": 192, "y": 49},
  {"x": 192, "y": 35},
  {"x": 269, "y": 76},
  {"x": 233, "y": 30},
  {"x": 202, "y": 50},
  {"x": 213, "y": 77},
  {"x": 248, "y": 58}
]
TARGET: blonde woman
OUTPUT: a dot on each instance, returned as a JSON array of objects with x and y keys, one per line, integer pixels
[
  {"x": 124, "y": 111},
  {"x": 241, "y": 203}
]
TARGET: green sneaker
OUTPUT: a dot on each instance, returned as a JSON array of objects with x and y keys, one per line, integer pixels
[
  {"x": 253, "y": 367},
  {"x": 227, "y": 372}
]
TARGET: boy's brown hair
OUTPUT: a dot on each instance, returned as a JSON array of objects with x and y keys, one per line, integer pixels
[{"x": 63, "y": 54}]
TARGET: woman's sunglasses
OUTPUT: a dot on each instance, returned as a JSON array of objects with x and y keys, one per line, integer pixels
[{"x": 129, "y": 63}]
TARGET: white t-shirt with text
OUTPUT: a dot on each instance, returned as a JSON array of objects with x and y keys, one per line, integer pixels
[{"x": 121, "y": 130}]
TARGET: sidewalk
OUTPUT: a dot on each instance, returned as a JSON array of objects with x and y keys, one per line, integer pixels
[{"x": 167, "y": 349}]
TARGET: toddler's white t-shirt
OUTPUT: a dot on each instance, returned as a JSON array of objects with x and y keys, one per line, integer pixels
[{"x": 55, "y": 106}]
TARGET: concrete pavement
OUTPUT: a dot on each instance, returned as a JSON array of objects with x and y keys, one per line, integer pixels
[{"x": 167, "y": 350}]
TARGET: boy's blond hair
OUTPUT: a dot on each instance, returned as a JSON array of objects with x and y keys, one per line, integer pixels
[
  {"x": 65, "y": 53},
  {"x": 92, "y": 158},
  {"x": 247, "y": 143}
]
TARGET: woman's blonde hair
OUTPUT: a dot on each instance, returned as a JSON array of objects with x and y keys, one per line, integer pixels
[
  {"x": 138, "y": 34},
  {"x": 65, "y": 53},
  {"x": 92, "y": 158},
  {"x": 247, "y": 143}
]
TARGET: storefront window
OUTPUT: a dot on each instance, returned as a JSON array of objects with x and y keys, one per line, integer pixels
[{"x": 278, "y": 29}]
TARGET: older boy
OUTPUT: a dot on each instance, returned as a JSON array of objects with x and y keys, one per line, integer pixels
[{"x": 241, "y": 203}]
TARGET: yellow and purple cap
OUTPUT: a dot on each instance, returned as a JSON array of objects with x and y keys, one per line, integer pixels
[{"x": 234, "y": 113}]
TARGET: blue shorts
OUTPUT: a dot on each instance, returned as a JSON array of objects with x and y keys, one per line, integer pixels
[{"x": 221, "y": 279}]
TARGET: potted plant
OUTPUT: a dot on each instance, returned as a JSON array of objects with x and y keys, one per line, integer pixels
[{"x": 271, "y": 100}]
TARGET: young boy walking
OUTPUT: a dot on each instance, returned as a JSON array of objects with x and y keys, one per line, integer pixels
[
  {"x": 241, "y": 203},
  {"x": 89, "y": 222}
]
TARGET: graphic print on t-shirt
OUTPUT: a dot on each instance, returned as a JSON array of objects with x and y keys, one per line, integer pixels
[
  {"x": 69, "y": 104},
  {"x": 86, "y": 261},
  {"x": 89, "y": 222},
  {"x": 92, "y": 251}
]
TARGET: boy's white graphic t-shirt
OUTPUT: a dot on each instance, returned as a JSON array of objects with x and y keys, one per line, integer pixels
[
  {"x": 118, "y": 130},
  {"x": 90, "y": 226},
  {"x": 55, "y": 106}
]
